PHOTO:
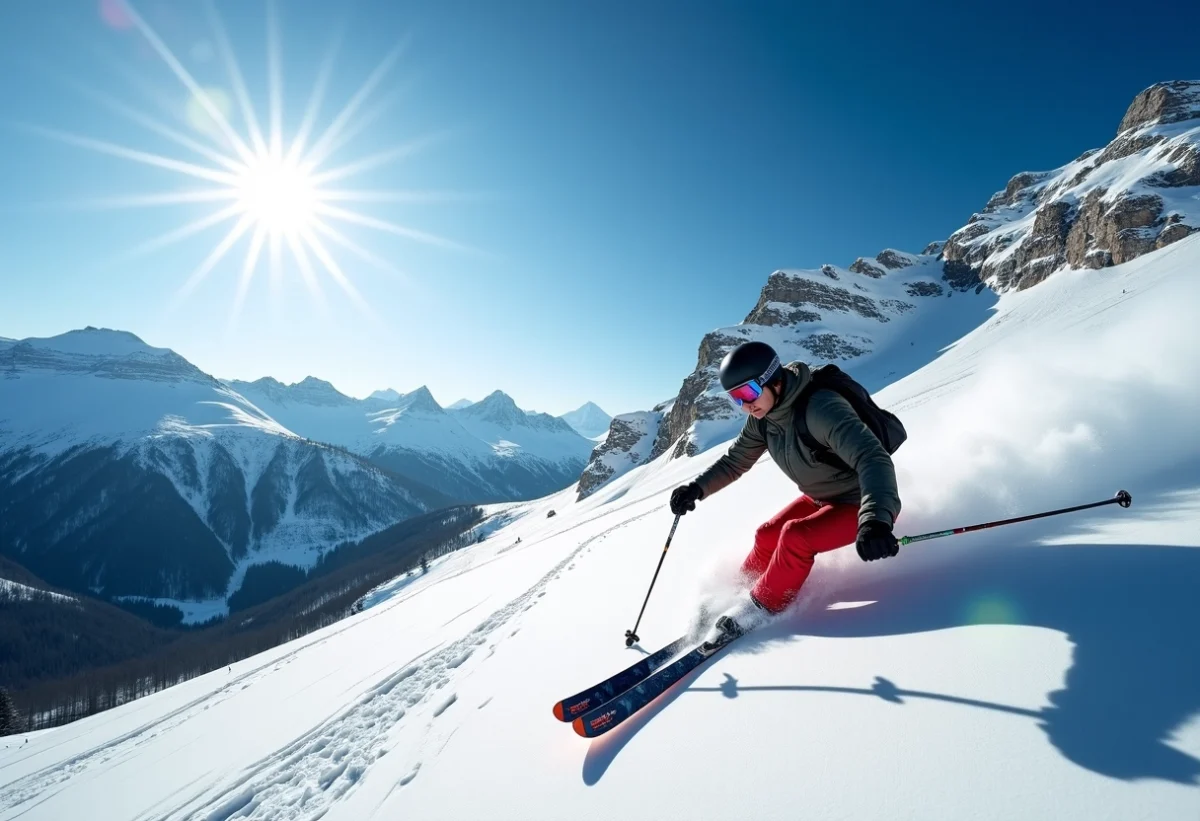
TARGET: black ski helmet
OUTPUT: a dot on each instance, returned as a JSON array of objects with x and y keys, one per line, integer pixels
[{"x": 750, "y": 360}]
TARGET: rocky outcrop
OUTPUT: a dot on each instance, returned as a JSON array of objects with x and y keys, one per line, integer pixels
[
  {"x": 626, "y": 446},
  {"x": 691, "y": 403},
  {"x": 1107, "y": 207},
  {"x": 1165, "y": 103}
]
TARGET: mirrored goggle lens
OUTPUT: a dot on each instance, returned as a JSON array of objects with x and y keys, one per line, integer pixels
[{"x": 746, "y": 393}]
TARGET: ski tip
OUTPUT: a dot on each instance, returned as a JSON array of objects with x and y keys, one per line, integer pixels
[
  {"x": 558, "y": 712},
  {"x": 578, "y": 725}
]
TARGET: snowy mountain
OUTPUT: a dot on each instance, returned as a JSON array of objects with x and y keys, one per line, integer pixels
[
  {"x": 1109, "y": 206},
  {"x": 1045, "y": 669},
  {"x": 879, "y": 318},
  {"x": 588, "y": 420},
  {"x": 460, "y": 404},
  {"x": 126, "y": 471},
  {"x": 490, "y": 451}
]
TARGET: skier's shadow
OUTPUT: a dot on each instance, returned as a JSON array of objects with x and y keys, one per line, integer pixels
[{"x": 1131, "y": 611}]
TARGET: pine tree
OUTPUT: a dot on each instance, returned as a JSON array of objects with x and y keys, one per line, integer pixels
[{"x": 8, "y": 714}]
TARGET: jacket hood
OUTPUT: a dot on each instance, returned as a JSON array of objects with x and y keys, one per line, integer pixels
[{"x": 796, "y": 376}]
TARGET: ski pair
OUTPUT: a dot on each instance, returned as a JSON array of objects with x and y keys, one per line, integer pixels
[{"x": 622, "y": 695}]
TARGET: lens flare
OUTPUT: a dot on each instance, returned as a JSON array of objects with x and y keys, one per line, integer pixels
[
  {"x": 270, "y": 187},
  {"x": 992, "y": 609}
]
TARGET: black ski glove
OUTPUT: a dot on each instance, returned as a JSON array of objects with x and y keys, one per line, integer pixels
[
  {"x": 875, "y": 541},
  {"x": 684, "y": 498}
]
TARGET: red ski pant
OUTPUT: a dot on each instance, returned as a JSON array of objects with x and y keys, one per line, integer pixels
[{"x": 785, "y": 546}]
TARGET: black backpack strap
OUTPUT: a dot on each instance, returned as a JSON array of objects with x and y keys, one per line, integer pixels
[{"x": 821, "y": 453}]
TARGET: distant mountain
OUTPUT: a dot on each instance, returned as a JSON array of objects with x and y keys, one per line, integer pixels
[
  {"x": 460, "y": 404},
  {"x": 387, "y": 395},
  {"x": 489, "y": 451},
  {"x": 588, "y": 420},
  {"x": 127, "y": 471}
]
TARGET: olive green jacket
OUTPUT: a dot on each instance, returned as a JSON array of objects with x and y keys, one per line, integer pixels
[{"x": 871, "y": 484}]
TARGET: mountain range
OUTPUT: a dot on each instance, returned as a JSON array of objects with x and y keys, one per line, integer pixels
[{"x": 127, "y": 472}]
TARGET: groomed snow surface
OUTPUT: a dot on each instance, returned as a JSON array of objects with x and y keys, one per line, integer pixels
[{"x": 1045, "y": 670}]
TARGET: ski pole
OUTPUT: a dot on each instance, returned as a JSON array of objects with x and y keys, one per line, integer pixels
[
  {"x": 1122, "y": 498},
  {"x": 631, "y": 635}
]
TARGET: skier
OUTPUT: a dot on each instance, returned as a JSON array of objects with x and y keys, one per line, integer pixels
[{"x": 854, "y": 502}]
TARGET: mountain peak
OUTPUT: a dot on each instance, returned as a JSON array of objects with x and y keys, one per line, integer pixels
[
  {"x": 387, "y": 395},
  {"x": 92, "y": 341},
  {"x": 420, "y": 400},
  {"x": 1170, "y": 102},
  {"x": 588, "y": 420},
  {"x": 498, "y": 398}
]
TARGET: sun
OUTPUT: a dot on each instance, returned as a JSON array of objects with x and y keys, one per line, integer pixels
[
  {"x": 273, "y": 189},
  {"x": 278, "y": 194}
]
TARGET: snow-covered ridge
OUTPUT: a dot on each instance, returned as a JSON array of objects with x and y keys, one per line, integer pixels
[
  {"x": 16, "y": 591},
  {"x": 125, "y": 470},
  {"x": 99, "y": 352},
  {"x": 880, "y": 318},
  {"x": 1108, "y": 206},
  {"x": 488, "y": 451}
]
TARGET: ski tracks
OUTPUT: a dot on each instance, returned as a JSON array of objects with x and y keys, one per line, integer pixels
[
  {"x": 303, "y": 780},
  {"x": 44, "y": 783}
]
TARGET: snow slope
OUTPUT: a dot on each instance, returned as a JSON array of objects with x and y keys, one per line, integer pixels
[{"x": 1042, "y": 670}]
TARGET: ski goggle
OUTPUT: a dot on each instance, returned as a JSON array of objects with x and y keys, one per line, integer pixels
[{"x": 746, "y": 393}]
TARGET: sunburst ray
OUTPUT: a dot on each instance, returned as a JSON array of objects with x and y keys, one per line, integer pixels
[
  {"x": 335, "y": 271},
  {"x": 356, "y": 249},
  {"x": 249, "y": 266},
  {"x": 320, "y": 150},
  {"x": 388, "y": 227},
  {"x": 146, "y": 157},
  {"x": 374, "y": 160},
  {"x": 215, "y": 256},
  {"x": 186, "y": 78},
  {"x": 274, "y": 187},
  {"x": 235, "y": 76}
]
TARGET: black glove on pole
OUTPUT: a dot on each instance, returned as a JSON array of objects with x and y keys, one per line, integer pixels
[
  {"x": 631, "y": 635},
  {"x": 684, "y": 498},
  {"x": 875, "y": 541}
]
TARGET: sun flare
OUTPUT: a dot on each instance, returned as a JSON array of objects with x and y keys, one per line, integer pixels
[
  {"x": 273, "y": 189},
  {"x": 278, "y": 194}
]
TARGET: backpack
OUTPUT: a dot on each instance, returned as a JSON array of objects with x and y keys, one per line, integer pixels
[{"x": 886, "y": 426}]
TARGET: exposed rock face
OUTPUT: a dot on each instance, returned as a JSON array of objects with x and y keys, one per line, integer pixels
[
  {"x": 1107, "y": 207},
  {"x": 630, "y": 438},
  {"x": 691, "y": 404},
  {"x": 829, "y": 314},
  {"x": 782, "y": 288},
  {"x": 1165, "y": 103}
]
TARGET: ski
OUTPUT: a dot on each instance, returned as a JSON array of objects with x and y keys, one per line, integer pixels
[
  {"x": 601, "y": 719},
  {"x": 569, "y": 708}
]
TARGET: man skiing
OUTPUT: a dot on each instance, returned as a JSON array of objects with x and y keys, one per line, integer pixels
[{"x": 855, "y": 500}]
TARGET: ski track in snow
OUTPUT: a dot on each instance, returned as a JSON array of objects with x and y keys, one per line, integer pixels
[
  {"x": 305, "y": 778},
  {"x": 42, "y": 784}
]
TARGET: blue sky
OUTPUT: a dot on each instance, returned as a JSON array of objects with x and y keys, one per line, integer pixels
[{"x": 603, "y": 183}]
